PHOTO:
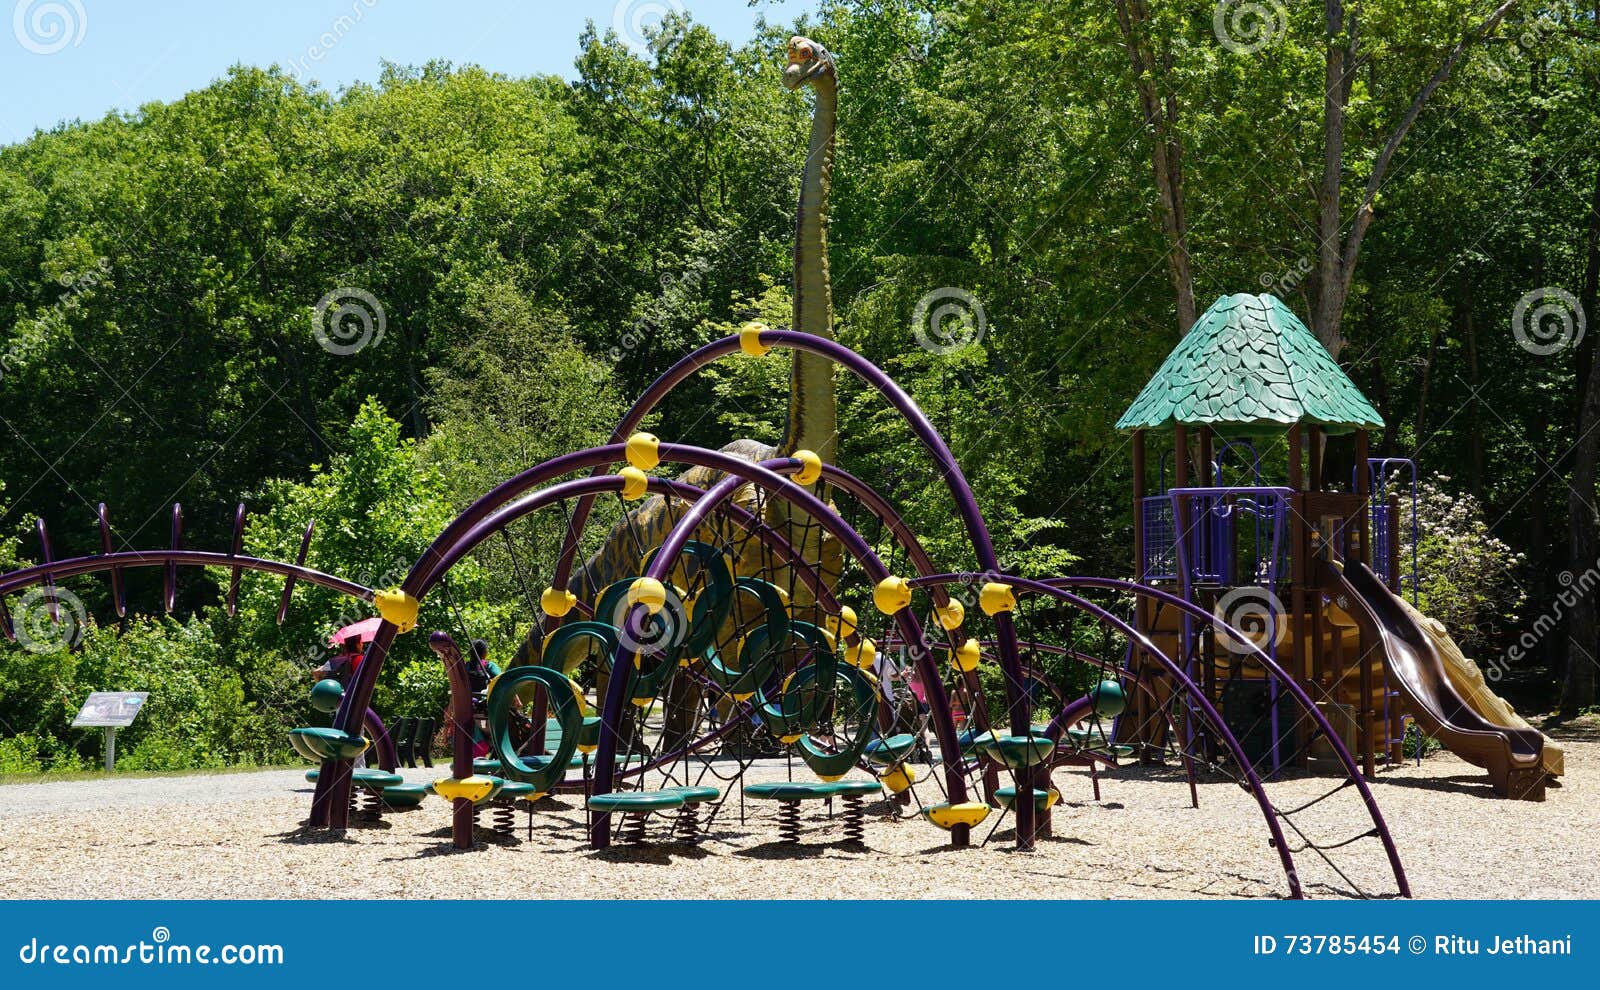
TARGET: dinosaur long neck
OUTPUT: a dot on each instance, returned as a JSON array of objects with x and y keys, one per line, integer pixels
[{"x": 813, "y": 416}]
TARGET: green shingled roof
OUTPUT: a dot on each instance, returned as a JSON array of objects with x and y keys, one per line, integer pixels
[{"x": 1250, "y": 366}]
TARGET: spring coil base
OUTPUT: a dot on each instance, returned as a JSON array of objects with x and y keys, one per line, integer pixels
[
  {"x": 504, "y": 817},
  {"x": 789, "y": 822},
  {"x": 687, "y": 826},
  {"x": 855, "y": 825},
  {"x": 634, "y": 828}
]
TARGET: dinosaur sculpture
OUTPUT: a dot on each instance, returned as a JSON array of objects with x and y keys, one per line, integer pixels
[{"x": 812, "y": 421}]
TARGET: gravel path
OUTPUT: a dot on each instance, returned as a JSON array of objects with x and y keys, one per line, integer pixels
[{"x": 238, "y": 835}]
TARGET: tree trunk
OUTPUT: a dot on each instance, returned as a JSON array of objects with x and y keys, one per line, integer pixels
[
  {"x": 1160, "y": 114},
  {"x": 1583, "y": 625},
  {"x": 1336, "y": 260}
]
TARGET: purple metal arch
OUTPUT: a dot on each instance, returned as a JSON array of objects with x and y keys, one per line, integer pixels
[
  {"x": 330, "y": 801},
  {"x": 1056, "y": 587},
  {"x": 767, "y": 475},
  {"x": 75, "y": 566},
  {"x": 1017, "y": 708},
  {"x": 1102, "y": 615}
]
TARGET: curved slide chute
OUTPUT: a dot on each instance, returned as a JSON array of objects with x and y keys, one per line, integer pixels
[{"x": 1513, "y": 755}]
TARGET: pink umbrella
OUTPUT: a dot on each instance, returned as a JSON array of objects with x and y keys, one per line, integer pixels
[{"x": 362, "y": 631}]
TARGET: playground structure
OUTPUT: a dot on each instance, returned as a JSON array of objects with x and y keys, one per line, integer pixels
[
  {"x": 1313, "y": 572},
  {"x": 766, "y": 600}
]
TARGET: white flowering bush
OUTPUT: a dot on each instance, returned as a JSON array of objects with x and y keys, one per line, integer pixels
[{"x": 1466, "y": 576}]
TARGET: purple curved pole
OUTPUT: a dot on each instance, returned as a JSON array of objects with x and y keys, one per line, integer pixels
[
  {"x": 475, "y": 523},
  {"x": 74, "y": 566},
  {"x": 1017, "y": 706},
  {"x": 766, "y": 475},
  {"x": 1057, "y": 588}
]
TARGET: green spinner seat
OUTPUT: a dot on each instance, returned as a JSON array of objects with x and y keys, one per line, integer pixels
[
  {"x": 485, "y": 765},
  {"x": 318, "y": 743},
  {"x": 1042, "y": 799},
  {"x": 1018, "y": 752},
  {"x": 636, "y": 807},
  {"x": 404, "y": 795},
  {"x": 369, "y": 785},
  {"x": 887, "y": 752},
  {"x": 694, "y": 794},
  {"x": 789, "y": 791},
  {"x": 637, "y": 802},
  {"x": 970, "y": 740},
  {"x": 789, "y": 794},
  {"x": 1091, "y": 739},
  {"x": 369, "y": 777}
]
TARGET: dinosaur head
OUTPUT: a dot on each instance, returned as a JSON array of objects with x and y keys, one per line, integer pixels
[{"x": 808, "y": 62}]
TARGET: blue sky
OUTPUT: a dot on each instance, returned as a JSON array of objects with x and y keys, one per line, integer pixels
[{"x": 78, "y": 59}]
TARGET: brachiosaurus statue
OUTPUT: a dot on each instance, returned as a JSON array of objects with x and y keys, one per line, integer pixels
[{"x": 812, "y": 422}]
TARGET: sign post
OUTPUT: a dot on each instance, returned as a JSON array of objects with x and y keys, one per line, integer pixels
[{"x": 110, "y": 710}]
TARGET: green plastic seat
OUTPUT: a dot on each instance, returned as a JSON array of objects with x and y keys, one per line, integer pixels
[
  {"x": 888, "y": 752},
  {"x": 792, "y": 790},
  {"x": 589, "y": 735},
  {"x": 862, "y": 787},
  {"x": 404, "y": 795},
  {"x": 364, "y": 777},
  {"x": 1018, "y": 752},
  {"x": 1007, "y": 796},
  {"x": 325, "y": 743},
  {"x": 972, "y": 739},
  {"x": 513, "y": 789},
  {"x": 485, "y": 765},
  {"x": 696, "y": 794},
  {"x": 637, "y": 802}
]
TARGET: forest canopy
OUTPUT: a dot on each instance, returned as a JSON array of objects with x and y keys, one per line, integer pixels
[{"x": 368, "y": 306}]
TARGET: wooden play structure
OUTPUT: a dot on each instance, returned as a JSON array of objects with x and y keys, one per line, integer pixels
[{"x": 1308, "y": 567}]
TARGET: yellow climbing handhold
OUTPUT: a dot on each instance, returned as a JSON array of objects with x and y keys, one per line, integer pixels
[
  {"x": 951, "y": 614},
  {"x": 474, "y": 788},
  {"x": 634, "y": 483},
  {"x": 967, "y": 656},
  {"x": 397, "y": 607},
  {"x": 750, "y": 339},
  {"x": 810, "y": 467},
  {"x": 891, "y": 594},
  {"x": 862, "y": 654},
  {"x": 644, "y": 451},
  {"x": 843, "y": 625},
  {"x": 649, "y": 592},
  {"x": 898, "y": 779},
  {"x": 997, "y": 597},
  {"x": 557, "y": 601},
  {"x": 948, "y": 816}
]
